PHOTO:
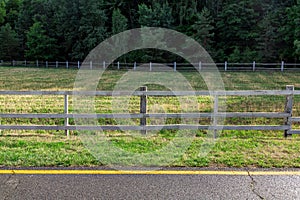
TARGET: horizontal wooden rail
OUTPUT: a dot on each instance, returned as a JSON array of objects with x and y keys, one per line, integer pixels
[
  {"x": 155, "y": 93},
  {"x": 294, "y": 132},
  {"x": 295, "y": 119},
  {"x": 154, "y": 115},
  {"x": 148, "y": 127}
]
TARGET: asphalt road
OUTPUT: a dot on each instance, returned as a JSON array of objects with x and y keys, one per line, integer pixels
[{"x": 149, "y": 187}]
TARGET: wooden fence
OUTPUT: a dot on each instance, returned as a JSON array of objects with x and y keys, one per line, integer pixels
[
  {"x": 286, "y": 114},
  {"x": 225, "y": 66}
]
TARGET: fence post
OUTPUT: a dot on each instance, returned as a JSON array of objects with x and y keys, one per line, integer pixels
[
  {"x": 143, "y": 109},
  {"x": 25, "y": 62},
  {"x": 56, "y": 64},
  {"x": 67, "y": 64},
  {"x": 78, "y": 64},
  {"x": 282, "y": 66},
  {"x": 254, "y": 65},
  {"x": 118, "y": 65},
  {"x": 104, "y": 65},
  {"x": 150, "y": 66},
  {"x": 175, "y": 66},
  {"x": 66, "y": 111},
  {"x": 47, "y": 64},
  {"x": 215, "y": 119},
  {"x": 91, "y": 65},
  {"x": 289, "y": 109},
  {"x": 200, "y": 66},
  {"x": 226, "y": 65},
  {"x": 134, "y": 66},
  {"x": 37, "y": 63}
]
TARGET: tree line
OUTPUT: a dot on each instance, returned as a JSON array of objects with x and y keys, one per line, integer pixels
[{"x": 234, "y": 31}]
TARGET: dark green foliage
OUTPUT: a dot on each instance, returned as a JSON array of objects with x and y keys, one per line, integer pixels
[
  {"x": 297, "y": 47},
  {"x": 119, "y": 22},
  {"x": 293, "y": 26},
  {"x": 267, "y": 45},
  {"x": 12, "y": 11},
  {"x": 9, "y": 43},
  {"x": 40, "y": 45},
  {"x": 2, "y": 11},
  {"x": 203, "y": 29},
  {"x": 157, "y": 15},
  {"x": 236, "y": 31}
]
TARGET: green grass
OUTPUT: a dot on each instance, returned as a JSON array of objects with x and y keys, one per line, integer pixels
[
  {"x": 250, "y": 150},
  {"x": 19, "y": 78},
  {"x": 232, "y": 149},
  {"x": 45, "y": 150}
]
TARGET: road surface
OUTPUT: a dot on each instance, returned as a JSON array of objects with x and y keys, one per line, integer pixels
[{"x": 207, "y": 184}]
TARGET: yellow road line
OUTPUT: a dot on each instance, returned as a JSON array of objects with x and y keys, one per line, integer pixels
[
  {"x": 141, "y": 172},
  {"x": 275, "y": 173}
]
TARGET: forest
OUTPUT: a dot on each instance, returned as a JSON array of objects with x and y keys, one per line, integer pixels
[{"x": 234, "y": 31}]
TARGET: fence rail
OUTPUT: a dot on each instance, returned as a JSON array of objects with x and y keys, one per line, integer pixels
[
  {"x": 226, "y": 66},
  {"x": 287, "y": 114}
]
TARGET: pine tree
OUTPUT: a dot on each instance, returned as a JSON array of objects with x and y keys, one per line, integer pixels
[
  {"x": 293, "y": 36},
  {"x": 203, "y": 29},
  {"x": 12, "y": 12},
  {"x": 67, "y": 22},
  {"x": 9, "y": 43},
  {"x": 2, "y": 11},
  {"x": 39, "y": 45},
  {"x": 297, "y": 49},
  {"x": 92, "y": 30},
  {"x": 267, "y": 44},
  {"x": 119, "y": 22},
  {"x": 158, "y": 15},
  {"x": 155, "y": 15},
  {"x": 237, "y": 28}
]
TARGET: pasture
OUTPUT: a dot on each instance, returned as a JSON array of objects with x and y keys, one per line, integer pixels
[{"x": 232, "y": 149}]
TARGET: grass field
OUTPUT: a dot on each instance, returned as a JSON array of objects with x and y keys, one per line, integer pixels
[
  {"x": 233, "y": 148},
  {"x": 62, "y": 79}
]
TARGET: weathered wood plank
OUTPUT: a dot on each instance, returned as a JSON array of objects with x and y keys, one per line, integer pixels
[
  {"x": 294, "y": 119},
  {"x": 34, "y": 92},
  {"x": 262, "y": 128},
  {"x": 155, "y": 93},
  {"x": 294, "y": 132},
  {"x": 66, "y": 111},
  {"x": 143, "y": 109},
  {"x": 289, "y": 108},
  {"x": 139, "y": 128},
  {"x": 154, "y": 115},
  {"x": 296, "y": 92},
  {"x": 215, "y": 113}
]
